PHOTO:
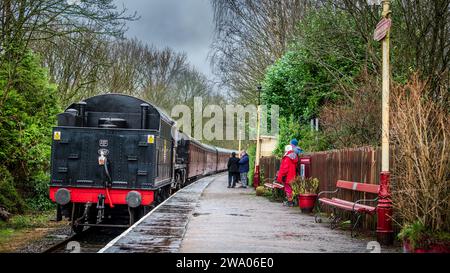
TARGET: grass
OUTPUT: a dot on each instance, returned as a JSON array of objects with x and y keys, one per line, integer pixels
[
  {"x": 22, "y": 228},
  {"x": 5, "y": 234},
  {"x": 31, "y": 220}
]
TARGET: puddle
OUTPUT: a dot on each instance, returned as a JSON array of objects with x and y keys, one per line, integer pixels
[
  {"x": 196, "y": 214},
  {"x": 237, "y": 214}
]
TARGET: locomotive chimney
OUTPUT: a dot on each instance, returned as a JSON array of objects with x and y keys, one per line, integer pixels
[
  {"x": 82, "y": 111},
  {"x": 144, "y": 115}
]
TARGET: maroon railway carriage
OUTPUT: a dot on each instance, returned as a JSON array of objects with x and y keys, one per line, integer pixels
[
  {"x": 201, "y": 159},
  {"x": 222, "y": 158},
  {"x": 211, "y": 160}
]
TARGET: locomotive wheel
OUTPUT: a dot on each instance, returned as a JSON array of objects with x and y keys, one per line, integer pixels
[
  {"x": 133, "y": 217},
  {"x": 178, "y": 182},
  {"x": 138, "y": 213},
  {"x": 162, "y": 194},
  {"x": 178, "y": 187},
  {"x": 158, "y": 197},
  {"x": 166, "y": 192},
  {"x": 142, "y": 211}
]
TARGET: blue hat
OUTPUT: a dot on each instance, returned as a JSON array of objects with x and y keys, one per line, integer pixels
[{"x": 294, "y": 142}]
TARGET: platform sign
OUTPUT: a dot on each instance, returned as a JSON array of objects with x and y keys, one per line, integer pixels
[
  {"x": 305, "y": 165},
  {"x": 302, "y": 170},
  {"x": 382, "y": 29}
]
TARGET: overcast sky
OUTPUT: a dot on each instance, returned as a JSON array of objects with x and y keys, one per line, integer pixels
[{"x": 184, "y": 25}]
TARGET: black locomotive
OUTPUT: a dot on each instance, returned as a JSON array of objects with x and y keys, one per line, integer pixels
[{"x": 114, "y": 157}]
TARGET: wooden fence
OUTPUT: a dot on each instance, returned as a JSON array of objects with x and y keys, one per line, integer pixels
[
  {"x": 269, "y": 167},
  {"x": 359, "y": 165}
]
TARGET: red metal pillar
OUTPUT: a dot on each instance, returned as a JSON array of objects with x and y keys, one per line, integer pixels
[
  {"x": 256, "y": 177},
  {"x": 385, "y": 234}
]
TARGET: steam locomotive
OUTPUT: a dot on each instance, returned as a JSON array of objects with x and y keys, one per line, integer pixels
[{"x": 114, "y": 157}]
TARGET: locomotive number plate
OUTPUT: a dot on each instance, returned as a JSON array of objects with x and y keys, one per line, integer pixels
[{"x": 103, "y": 143}]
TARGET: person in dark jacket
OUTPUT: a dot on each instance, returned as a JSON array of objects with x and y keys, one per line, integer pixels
[
  {"x": 233, "y": 170},
  {"x": 244, "y": 168}
]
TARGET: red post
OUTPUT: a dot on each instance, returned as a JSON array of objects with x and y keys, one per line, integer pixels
[
  {"x": 385, "y": 234},
  {"x": 256, "y": 177}
]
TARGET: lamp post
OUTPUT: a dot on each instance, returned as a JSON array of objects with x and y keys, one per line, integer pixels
[
  {"x": 256, "y": 174},
  {"x": 239, "y": 138},
  {"x": 384, "y": 207}
]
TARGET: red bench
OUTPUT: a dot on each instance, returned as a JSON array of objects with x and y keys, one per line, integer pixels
[
  {"x": 356, "y": 207},
  {"x": 273, "y": 185}
]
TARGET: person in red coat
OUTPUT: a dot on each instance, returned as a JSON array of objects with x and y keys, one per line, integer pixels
[{"x": 288, "y": 172}]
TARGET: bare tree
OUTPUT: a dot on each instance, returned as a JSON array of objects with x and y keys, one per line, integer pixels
[
  {"x": 143, "y": 71},
  {"x": 250, "y": 36},
  {"x": 420, "y": 135},
  {"x": 76, "y": 63},
  {"x": 28, "y": 20},
  {"x": 420, "y": 34},
  {"x": 161, "y": 69},
  {"x": 189, "y": 84},
  {"x": 23, "y": 22}
]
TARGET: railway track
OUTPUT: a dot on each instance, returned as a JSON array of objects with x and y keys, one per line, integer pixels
[{"x": 90, "y": 240}]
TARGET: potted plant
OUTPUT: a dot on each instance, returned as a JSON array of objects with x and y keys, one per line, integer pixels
[
  {"x": 306, "y": 190},
  {"x": 418, "y": 239}
]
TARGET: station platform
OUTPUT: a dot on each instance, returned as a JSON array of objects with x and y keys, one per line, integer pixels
[{"x": 208, "y": 217}]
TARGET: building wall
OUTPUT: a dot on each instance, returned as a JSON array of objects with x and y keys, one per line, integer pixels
[{"x": 268, "y": 145}]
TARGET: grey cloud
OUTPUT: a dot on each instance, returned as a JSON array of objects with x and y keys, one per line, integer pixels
[{"x": 184, "y": 25}]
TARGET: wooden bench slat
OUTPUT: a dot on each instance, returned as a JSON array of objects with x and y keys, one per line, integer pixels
[
  {"x": 347, "y": 205},
  {"x": 335, "y": 204},
  {"x": 358, "y": 207},
  {"x": 272, "y": 186},
  {"x": 355, "y": 186}
]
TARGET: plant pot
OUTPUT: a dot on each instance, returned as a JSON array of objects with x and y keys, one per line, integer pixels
[
  {"x": 433, "y": 248},
  {"x": 306, "y": 202}
]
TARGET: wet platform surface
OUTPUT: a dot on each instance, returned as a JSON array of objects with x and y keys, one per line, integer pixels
[
  {"x": 236, "y": 220},
  {"x": 161, "y": 230},
  {"x": 209, "y": 217}
]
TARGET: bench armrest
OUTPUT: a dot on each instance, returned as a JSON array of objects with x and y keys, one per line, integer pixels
[
  {"x": 327, "y": 192},
  {"x": 364, "y": 201}
]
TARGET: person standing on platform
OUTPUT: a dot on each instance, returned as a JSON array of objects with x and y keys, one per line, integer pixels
[
  {"x": 244, "y": 168},
  {"x": 288, "y": 172},
  {"x": 233, "y": 170},
  {"x": 297, "y": 149}
]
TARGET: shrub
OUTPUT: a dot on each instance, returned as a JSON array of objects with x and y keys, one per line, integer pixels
[
  {"x": 304, "y": 185},
  {"x": 251, "y": 151},
  {"x": 260, "y": 190},
  {"x": 40, "y": 200},
  {"x": 309, "y": 140},
  {"x": 354, "y": 122},
  {"x": 9, "y": 198},
  {"x": 420, "y": 135},
  {"x": 419, "y": 236},
  {"x": 27, "y": 114}
]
